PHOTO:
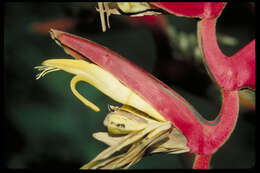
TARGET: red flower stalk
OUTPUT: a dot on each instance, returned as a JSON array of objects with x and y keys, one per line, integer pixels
[
  {"x": 202, "y": 161},
  {"x": 231, "y": 73}
]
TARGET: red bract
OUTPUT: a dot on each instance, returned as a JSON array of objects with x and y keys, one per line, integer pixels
[
  {"x": 204, "y": 137},
  {"x": 233, "y": 72},
  {"x": 203, "y": 10}
]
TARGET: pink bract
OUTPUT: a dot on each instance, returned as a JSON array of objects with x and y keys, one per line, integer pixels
[{"x": 204, "y": 137}]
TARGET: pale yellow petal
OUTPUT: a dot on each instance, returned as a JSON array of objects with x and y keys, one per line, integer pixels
[{"x": 107, "y": 138}]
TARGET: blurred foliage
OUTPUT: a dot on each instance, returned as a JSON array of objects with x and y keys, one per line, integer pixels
[{"x": 45, "y": 126}]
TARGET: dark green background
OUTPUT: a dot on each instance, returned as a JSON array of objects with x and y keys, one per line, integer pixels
[{"x": 46, "y": 126}]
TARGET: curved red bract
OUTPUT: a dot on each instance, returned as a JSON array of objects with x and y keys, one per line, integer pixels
[
  {"x": 204, "y": 137},
  {"x": 201, "y": 10}
]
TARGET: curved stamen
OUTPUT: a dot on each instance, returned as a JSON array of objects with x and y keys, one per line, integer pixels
[{"x": 73, "y": 83}]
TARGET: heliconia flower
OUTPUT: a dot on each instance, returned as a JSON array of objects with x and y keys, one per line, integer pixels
[
  {"x": 143, "y": 126},
  {"x": 139, "y": 91}
]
